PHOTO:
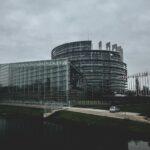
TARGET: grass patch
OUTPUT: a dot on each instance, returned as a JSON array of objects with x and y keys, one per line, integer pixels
[
  {"x": 143, "y": 109},
  {"x": 103, "y": 123}
]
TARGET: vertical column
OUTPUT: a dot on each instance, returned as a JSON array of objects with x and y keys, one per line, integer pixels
[
  {"x": 51, "y": 82},
  {"x": 100, "y": 45},
  {"x": 33, "y": 80},
  {"x": 44, "y": 74},
  {"x": 148, "y": 83},
  {"x": 67, "y": 81},
  {"x": 108, "y": 46},
  {"x": 38, "y": 80}
]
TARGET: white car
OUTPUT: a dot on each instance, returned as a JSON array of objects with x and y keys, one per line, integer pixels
[{"x": 114, "y": 109}]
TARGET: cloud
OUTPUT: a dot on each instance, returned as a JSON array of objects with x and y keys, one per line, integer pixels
[{"x": 30, "y": 29}]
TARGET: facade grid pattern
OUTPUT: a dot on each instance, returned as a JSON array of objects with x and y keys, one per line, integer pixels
[
  {"x": 38, "y": 80},
  {"x": 104, "y": 70}
]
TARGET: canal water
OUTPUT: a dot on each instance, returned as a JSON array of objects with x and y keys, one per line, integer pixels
[{"x": 39, "y": 134}]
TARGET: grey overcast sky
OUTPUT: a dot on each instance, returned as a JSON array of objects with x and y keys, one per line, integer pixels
[{"x": 29, "y": 29}]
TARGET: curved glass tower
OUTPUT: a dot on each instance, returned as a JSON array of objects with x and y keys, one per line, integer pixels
[{"x": 104, "y": 69}]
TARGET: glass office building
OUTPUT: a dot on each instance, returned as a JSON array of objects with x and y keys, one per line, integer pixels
[
  {"x": 40, "y": 80},
  {"x": 76, "y": 72},
  {"x": 103, "y": 69}
]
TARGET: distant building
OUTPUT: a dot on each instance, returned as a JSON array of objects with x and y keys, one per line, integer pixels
[{"x": 76, "y": 72}]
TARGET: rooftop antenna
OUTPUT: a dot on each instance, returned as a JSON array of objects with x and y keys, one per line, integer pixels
[
  {"x": 89, "y": 39},
  {"x": 88, "y": 36}
]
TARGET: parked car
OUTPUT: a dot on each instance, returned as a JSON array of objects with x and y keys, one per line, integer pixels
[{"x": 114, "y": 109}]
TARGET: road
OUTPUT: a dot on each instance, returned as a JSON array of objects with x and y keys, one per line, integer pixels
[{"x": 106, "y": 113}]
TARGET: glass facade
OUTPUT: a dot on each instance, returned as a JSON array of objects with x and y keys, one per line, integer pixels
[
  {"x": 38, "y": 80},
  {"x": 35, "y": 80},
  {"x": 75, "y": 72},
  {"x": 104, "y": 70}
]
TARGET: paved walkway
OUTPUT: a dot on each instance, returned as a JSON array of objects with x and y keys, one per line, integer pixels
[
  {"x": 120, "y": 115},
  {"x": 98, "y": 112}
]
